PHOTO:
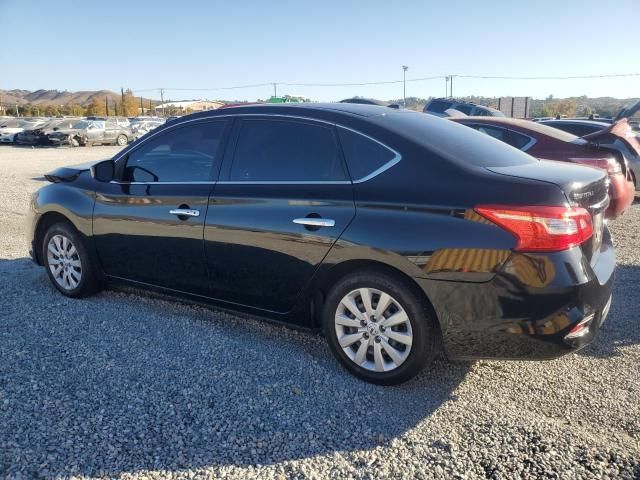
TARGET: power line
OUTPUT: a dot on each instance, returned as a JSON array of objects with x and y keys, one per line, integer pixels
[
  {"x": 393, "y": 82},
  {"x": 570, "y": 77}
]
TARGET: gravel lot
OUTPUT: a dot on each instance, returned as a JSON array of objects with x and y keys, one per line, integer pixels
[{"x": 126, "y": 385}]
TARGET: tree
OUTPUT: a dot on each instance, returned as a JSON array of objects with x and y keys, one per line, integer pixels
[
  {"x": 52, "y": 110},
  {"x": 97, "y": 107},
  {"x": 74, "y": 109},
  {"x": 129, "y": 104}
]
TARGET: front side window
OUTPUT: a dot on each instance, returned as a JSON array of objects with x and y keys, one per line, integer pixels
[
  {"x": 281, "y": 150},
  {"x": 364, "y": 156},
  {"x": 182, "y": 154}
]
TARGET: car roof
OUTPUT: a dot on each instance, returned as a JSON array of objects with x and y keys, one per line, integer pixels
[
  {"x": 579, "y": 121},
  {"x": 310, "y": 109},
  {"x": 524, "y": 125}
]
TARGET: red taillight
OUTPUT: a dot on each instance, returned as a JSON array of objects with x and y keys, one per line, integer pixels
[
  {"x": 611, "y": 165},
  {"x": 548, "y": 229}
]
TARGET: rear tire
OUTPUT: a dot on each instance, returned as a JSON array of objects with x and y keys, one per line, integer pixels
[
  {"x": 378, "y": 328},
  {"x": 67, "y": 262}
]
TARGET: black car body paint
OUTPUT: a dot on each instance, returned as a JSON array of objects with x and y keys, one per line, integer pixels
[{"x": 414, "y": 217}]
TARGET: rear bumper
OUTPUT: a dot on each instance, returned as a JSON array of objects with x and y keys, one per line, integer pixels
[
  {"x": 621, "y": 195},
  {"x": 532, "y": 309}
]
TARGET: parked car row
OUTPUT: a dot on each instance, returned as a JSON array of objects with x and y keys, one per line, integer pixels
[
  {"x": 613, "y": 147},
  {"x": 76, "y": 131},
  {"x": 398, "y": 234}
]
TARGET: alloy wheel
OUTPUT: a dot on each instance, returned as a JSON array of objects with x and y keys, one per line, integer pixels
[
  {"x": 64, "y": 262},
  {"x": 373, "y": 330}
]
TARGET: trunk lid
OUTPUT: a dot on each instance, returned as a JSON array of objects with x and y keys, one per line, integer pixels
[
  {"x": 585, "y": 187},
  {"x": 619, "y": 129}
]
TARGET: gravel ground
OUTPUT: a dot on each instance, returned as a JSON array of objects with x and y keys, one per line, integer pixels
[{"x": 130, "y": 386}]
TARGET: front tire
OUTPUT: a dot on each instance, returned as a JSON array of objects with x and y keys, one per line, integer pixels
[
  {"x": 122, "y": 140},
  {"x": 378, "y": 328},
  {"x": 67, "y": 262}
]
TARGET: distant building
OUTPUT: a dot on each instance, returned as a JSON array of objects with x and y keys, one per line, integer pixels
[
  {"x": 193, "y": 105},
  {"x": 515, "y": 107}
]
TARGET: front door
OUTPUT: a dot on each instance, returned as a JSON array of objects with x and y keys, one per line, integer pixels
[
  {"x": 148, "y": 224},
  {"x": 283, "y": 200}
]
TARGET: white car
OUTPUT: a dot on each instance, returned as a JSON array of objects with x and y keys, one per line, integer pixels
[
  {"x": 143, "y": 127},
  {"x": 9, "y": 129}
]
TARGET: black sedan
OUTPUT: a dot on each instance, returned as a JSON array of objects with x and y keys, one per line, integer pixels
[{"x": 397, "y": 234}]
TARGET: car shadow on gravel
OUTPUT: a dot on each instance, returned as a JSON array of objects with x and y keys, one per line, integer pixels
[
  {"x": 120, "y": 382},
  {"x": 621, "y": 326}
]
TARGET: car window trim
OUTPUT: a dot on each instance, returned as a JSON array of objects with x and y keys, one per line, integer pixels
[
  {"x": 384, "y": 167},
  {"x": 532, "y": 141},
  {"x": 394, "y": 161}
]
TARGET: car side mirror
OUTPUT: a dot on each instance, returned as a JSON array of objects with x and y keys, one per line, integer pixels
[{"x": 104, "y": 171}]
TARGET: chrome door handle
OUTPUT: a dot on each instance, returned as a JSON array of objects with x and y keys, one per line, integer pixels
[
  {"x": 315, "y": 222},
  {"x": 187, "y": 212}
]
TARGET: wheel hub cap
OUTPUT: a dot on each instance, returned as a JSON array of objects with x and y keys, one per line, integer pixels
[
  {"x": 64, "y": 262},
  {"x": 373, "y": 330}
]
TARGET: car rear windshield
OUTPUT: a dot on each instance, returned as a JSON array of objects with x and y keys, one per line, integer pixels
[
  {"x": 548, "y": 131},
  {"x": 438, "y": 106},
  {"x": 458, "y": 143}
]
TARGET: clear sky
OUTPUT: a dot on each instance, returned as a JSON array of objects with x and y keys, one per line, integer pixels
[{"x": 143, "y": 44}]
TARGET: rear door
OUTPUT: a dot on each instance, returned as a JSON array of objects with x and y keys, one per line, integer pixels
[
  {"x": 111, "y": 131},
  {"x": 95, "y": 131},
  {"x": 283, "y": 199},
  {"x": 148, "y": 224}
]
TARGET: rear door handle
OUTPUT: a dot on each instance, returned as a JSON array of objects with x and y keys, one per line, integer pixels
[
  {"x": 315, "y": 222},
  {"x": 186, "y": 212}
]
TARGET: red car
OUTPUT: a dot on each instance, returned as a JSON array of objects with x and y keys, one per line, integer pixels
[{"x": 549, "y": 143}]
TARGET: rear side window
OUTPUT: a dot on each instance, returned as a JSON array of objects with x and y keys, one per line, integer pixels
[
  {"x": 499, "y": 133},
  {"x": 364, "y": 156},
  {"x": 280, "y": 150},
  {"x": 183, "y": 154},
  {"x": 510, "y": 137},
  {"x": 438, "y": 106},
  {"x": 518, "y": 140}
]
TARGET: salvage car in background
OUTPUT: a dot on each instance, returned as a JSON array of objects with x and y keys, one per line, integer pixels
[
  {"x": 393, "y": 231},
  {"x": 549, "y": 143},
  {"x": 9, "y": 129},
  {"x": 93, "y": 132},
  {"x": 39, "y": 135},
  {"x": 140, "y": 128}
]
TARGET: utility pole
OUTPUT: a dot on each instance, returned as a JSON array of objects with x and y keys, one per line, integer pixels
[
  {"x": 122, "y": 99},
  {"x": 106, "y": 106},
  {"x": 275, "y": 89},
  {"x": 446, "y": 86},
  {"x": 162, "y": 101},
  {"x": 404, "y": 85},
  {"x": 451, "y": 85}
]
